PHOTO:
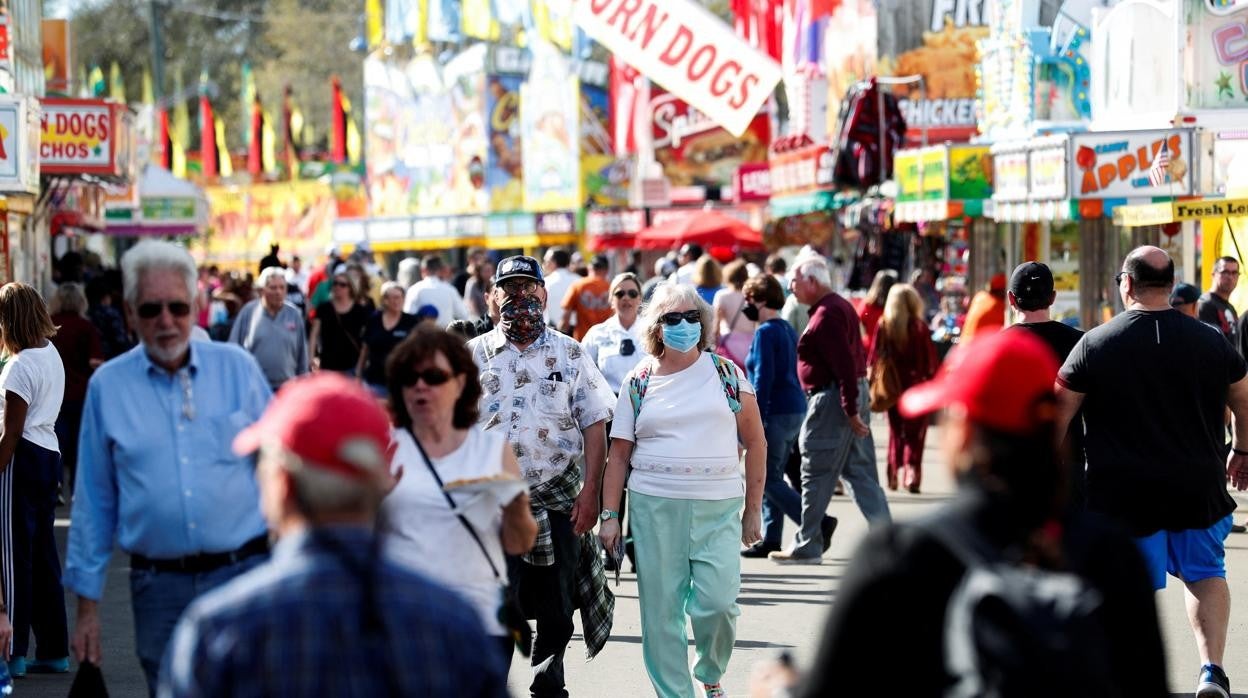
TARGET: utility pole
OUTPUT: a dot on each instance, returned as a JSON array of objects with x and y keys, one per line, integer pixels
[{"x": 158, "y": 51}]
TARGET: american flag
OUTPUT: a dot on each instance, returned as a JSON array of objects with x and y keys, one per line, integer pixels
[{"x": 1159, "y": 171}]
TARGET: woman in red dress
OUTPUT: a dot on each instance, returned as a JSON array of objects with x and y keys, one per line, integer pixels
[{"x": 902, "y": 339}]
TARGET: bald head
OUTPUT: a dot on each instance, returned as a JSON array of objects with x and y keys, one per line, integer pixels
[{"x": 1149, "y": 275}]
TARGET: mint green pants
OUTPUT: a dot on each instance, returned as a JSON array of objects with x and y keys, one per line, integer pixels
[{"x": 688, "y": 563}]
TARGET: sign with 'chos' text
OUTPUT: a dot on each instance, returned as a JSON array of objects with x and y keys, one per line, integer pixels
[
  {"x": 687, "y": 50},
  {"x": 79, "y": 136}
]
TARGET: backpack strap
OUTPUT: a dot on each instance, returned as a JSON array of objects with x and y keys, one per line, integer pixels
[
  {"x": 637, "y": 385},
  {"x": 727, "y": 371}
]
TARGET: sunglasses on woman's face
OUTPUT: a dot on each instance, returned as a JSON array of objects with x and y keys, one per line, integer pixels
[
  {"x": 148, "y": 311},
  {"x": 630, "y": 293},
  {"x": 431, "y": 376},
  {"x": 342, "y": 284},
  {"x": 674, "y": 318}
]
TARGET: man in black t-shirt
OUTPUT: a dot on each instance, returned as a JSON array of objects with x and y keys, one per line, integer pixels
[
  {"x": 1154, "y": 385},
  {"x": 998, "y": 434},
  {"x": 1215, "y": 306},
  {"x": 1031, "y": 295}
]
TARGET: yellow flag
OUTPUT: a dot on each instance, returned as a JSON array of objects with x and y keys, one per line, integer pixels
[
  {"x": 180, "y": 132},
  {"x": 148, "y": 95},
  {"x": 116, "y": 86},
  {"x": 477, "y": 20},
  {"x": 179, "y": 160},
  {"x": 225, "y": 168},
  {"x": 374, "y": 23},
  {"x": 95, "y": 81},
  {"x": 354, "y": 142},
  {"x": 268, "y": 146}
]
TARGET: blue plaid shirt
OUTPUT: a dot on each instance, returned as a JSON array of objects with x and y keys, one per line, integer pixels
[{"x": 299, "y": 626}]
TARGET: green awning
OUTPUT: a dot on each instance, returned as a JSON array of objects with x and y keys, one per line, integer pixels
[{"x": 801, "y": 204}]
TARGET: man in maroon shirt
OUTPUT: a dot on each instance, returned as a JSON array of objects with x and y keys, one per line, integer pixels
[{"x": 835, "y": 439}]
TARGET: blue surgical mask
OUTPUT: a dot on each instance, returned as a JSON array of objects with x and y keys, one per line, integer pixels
[{"x": 682, "y": 337}]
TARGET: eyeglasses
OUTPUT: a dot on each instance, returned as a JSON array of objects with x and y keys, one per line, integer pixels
[
  {"x": 514, "y": 286},
  {"x": 674, "y": 318},
  {"x": 342, "y": 284},
  {"x": 153, "y": 309},
  {"x": 630, "y": 293},
  {"x": 1118, "y": 277},
  {"x": 431, "y": 376}
]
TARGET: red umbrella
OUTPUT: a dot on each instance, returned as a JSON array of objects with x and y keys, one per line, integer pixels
[{"x": 707, "y": 228}]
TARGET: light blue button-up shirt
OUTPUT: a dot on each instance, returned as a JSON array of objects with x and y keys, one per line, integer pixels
[{"x": 156, "y": 471}]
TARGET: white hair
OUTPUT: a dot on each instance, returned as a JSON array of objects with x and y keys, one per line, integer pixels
[
  {"x": 390, "y": 285},
  {"x": 667, "y": 297},
  {"x": 409, "y": 272},
  {"x": 151, "y": 255},
  {"x": 815, "y": 268},
  {"x": 269, "y": 273},
  {"x": 321, "y": 491}
]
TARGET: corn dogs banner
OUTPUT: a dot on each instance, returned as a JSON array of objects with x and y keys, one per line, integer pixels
[{"x": 688, "y": 51}]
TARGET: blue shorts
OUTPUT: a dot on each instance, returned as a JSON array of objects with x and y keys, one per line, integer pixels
[{"x": 1190, "y": 555}]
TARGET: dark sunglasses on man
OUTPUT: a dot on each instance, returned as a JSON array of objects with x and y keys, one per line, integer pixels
[
  {"x": 673, "y": 318},
  {"x": 152, "y": 309}
]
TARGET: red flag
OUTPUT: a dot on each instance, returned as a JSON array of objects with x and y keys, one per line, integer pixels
[
  {"x": 165, "y": 154},
  {"x": 207, "y": 138},
  {"x": 255, "y": 153},
  {"x": 338, "y": 115},
  {"x": 823, "y": 8}
]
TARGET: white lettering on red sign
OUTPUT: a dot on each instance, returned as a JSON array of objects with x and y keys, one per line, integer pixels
[{"x": 689, "y": 51}]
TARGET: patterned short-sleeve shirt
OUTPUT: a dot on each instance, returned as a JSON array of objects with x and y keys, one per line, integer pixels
[{"x": 543, "y": 397}]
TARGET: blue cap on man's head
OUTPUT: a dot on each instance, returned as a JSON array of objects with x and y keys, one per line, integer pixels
[
  {"x": 518, "y": 266},
  {"x": 1184, "y": 294}
]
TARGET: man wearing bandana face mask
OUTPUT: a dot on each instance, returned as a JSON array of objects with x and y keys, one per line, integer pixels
[{"x": 543, "y": 390}]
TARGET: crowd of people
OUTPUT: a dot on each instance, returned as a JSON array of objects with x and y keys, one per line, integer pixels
[{"x": 435, "y": 484}]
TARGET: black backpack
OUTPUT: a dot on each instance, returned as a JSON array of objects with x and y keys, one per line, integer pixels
[{"x": 1012, "y": 629}]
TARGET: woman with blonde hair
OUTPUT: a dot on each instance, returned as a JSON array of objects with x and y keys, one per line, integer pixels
[
  {"x": 903, "y": 342},
  {"x": 679, "y": 421},
  {"x": 32, "y": 385},
  {"x": 733, "y": 322},
  {"x": 708, "y": 278}
]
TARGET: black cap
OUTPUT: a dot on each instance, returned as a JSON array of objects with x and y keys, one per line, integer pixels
[
  {"x": 1032, "y": 285},
  {"x": 600, "y": 262},
  {"x": 1184, "y": 294},
  {"x": 520, "y": 265}
]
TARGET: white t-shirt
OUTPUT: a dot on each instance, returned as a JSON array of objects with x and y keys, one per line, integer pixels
[
  {"x": 603, "y": 343},
  {"x": 557, "y": 284},
  {"x": 38, "y": 377},
  {"x": 685, "y": 436},
  {"x": 423, "y": 533},
  {"x": 440, "y": 295}
]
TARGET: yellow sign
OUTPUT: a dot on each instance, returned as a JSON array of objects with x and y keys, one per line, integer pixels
[
  {"x": 921, "y": 174},
  {"x": 1160, "y": 214}
]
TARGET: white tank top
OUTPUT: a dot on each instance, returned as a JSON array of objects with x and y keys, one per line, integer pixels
[{"x": 423, "y": 533}]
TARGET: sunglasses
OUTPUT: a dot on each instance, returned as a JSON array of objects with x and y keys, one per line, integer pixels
[
  {"x": 147, "y": 311},
  {"x": 674, "y": 318},
  {"x": 630, "y": 293},
  {"x": 1118, "y": 278},
  {"x": 343, "y": 284},
  {"x": 431, "y": 376},
  {"x": 511, "y": 288}
]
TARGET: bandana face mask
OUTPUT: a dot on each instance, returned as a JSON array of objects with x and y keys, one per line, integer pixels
[{"x": 521, "y": 318}]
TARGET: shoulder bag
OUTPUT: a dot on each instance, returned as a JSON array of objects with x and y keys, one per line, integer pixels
[
  {"x": 509, "y": 612},
  {"x": 885, "y": 384}
]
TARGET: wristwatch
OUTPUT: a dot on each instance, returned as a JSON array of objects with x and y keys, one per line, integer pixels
[{"x": 607, "y": 515}]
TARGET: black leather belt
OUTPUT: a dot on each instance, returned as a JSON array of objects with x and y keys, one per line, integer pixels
[{"x": 203, "y": 562}]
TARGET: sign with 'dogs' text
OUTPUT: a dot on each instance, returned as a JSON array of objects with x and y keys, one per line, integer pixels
[
  {"x": 79, "y": 137},
  {"x": 687, "y": 50}
]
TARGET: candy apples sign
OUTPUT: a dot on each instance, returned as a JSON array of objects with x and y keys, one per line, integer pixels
[
  {"x": 687, "y": 50},
  {"x": 79, "y": 137}
]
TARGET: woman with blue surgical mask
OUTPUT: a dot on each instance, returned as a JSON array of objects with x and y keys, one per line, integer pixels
[{"x": 682, "y": 418}]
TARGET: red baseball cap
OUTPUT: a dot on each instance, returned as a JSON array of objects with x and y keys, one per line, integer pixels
[
  {"x": 330, "y": 422},
  {"x": 1001, "y": 380}
]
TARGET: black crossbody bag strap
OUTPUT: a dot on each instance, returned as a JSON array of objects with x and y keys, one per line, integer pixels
[{"x": 451, "y": 502}]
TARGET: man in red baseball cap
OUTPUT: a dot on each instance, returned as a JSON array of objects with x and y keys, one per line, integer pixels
[
  {"x": 907, "y": 618},
  {"x": 327, "y": 592}
]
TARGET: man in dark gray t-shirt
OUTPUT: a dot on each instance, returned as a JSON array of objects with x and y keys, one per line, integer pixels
[{"x": 272, "y": 330}]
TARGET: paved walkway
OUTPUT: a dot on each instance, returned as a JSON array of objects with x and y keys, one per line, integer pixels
[{"x": 783, "y": 608}]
